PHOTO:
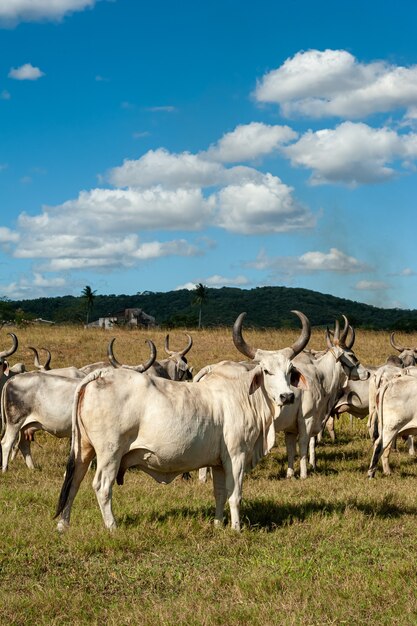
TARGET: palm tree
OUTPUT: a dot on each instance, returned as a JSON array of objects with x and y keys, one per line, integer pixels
[
  {"x": 88, "y": 294},
  {"x": 200, "y": 296}
]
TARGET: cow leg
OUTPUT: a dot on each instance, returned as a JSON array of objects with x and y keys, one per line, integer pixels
[
  {"x": 220, "y": 493},
  {"x": 234, "y": 470},
  {"x": 103, "y": 483},
  {"x": 385, "y": 460},
  {"x": 410, "y": 445},
  {"x": 79, "y": 470},
  {"x": 9, "y": 438},
  {"x": 330, "y": 428},
  {"x": 312, "y": 452},
  {"x": 203, "y": 472},
  {"x": 24, "y": 447},
  {"x": 290, "y": 444}
]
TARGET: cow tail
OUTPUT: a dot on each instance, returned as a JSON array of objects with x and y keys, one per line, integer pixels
[
  {"x": 75, "y": 443},
  {"x": 66, "y": 486}
]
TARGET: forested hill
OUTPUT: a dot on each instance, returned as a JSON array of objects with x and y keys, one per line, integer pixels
[{"x": 265, "y": 307}]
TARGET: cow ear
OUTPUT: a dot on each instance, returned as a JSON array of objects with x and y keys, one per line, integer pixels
[
  {"x": 298, "y": 380},
  {"x": 257, "y": 380},
  {"x": 6, "y": 369}
]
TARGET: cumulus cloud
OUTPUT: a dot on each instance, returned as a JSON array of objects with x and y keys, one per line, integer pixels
[
  {"x": 333, "y": 261},
  {"x": 216, "y": 281},
  {"x": 267, "y": 206},
  {"x": 26, "y": 72},
  {"x": 250, "y": 141},
  {"x": 33, "y": 287},
  {"x": 115, "y": 211},
  {"x": 186, "y": 170},
  {"x": 352, "y": 153},
  {"x": 14, "y": 11},
  {"x": 316, "y": 83},
  {"x": 7, "y": 235},
  {"x": 371, "y": 285},
  {"x": 171, "y": 170}
]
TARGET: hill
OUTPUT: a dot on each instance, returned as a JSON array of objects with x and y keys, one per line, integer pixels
[{"x": 267, "y": 307}]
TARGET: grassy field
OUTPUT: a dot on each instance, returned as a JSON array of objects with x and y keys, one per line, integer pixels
[{"x": 334, "y": 549}]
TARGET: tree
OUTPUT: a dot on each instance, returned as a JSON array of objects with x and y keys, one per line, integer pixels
[
  {"x": 200, "y": 297},
  {"x": 88, "y": 294}
]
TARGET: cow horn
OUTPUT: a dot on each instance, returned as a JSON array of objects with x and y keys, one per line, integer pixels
[
  {"x": 138, "y": 368},
  {"x": 167, "y": 350},
  {"x": 304, "y": 337},
  {"x": 12, "y": 350},
  {"x": 110, "y": 354},
  {"x": 329, "y": 339},
  {"x": 181, "y": 353},
  {"x": 36, "y": 361},
  {"x": 342, "y": 338},
  {"x": 189, "y": 345},
  {"x": 349, "y": 345},
  {"x": 336, "y": 333},
  {"x": 394, "y": 345},
  {"x": 48, "y": 359},
  {"x": 151, "y": 360},
  {"x": 238, "y": 340}
]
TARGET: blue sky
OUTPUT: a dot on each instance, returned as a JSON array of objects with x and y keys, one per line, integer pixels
[{"x": 151, "y": 146}]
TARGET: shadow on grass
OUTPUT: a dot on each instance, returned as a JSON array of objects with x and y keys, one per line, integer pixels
[{"x": 269, "y": 514}]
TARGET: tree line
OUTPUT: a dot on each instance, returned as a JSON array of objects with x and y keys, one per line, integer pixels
[{"x": 266, "y": 307}]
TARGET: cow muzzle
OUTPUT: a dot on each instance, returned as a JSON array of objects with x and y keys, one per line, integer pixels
[{"x": 286, "y": 398}]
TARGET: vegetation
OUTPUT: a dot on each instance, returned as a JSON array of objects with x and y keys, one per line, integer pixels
[
  {"x": 88, "y": 295},
  {"x": 267, "y": 307},
  {"x": 200, "y": 297},
  {"x": 334, "y": 549}
]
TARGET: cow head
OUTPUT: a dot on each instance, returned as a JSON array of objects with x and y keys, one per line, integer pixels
[
  {"x": 176, "y": 365},
  {"x": 341, "y": 348},
  {"x": 408, "y": 356},
  {"x": 279, "y": 373}
]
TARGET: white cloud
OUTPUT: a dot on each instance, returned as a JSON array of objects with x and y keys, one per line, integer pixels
[
  {"x": 222, "y": 281},
  {"x": 158, "y": 249},
  {"x": 216, "y": 281},
  {"x": 188, "y": 286},
  {"x": 115, "y": 211},
  {"x": 352, "y": 153},
  {"x": 13, "y": 11},
  {"x": 26, "y": 72},
  {"x": 171, "y": 170},
  {"x": 334, "y": 83},
  {"x": 333, "y": 261},
  {"x": 250, "y": 141},
  {"x": 186, "y": 170},
  {"x": 261, "y": 207},
  {"x": 7, "y": 235},
  {"x": 371, "y": 285},
  {"x": 33, "y": 287}
]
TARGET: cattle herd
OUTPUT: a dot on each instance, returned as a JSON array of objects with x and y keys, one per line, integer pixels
[{"x": 160, "y": 418}]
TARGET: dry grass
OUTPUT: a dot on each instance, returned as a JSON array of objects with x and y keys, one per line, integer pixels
[{"x": 334, "y": 549}]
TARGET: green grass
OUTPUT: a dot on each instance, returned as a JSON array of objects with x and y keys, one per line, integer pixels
[{"x": 334, "y": 549}]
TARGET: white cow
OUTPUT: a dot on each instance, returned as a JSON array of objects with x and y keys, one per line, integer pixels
[
  {"x": 325, "y": 377},
  {"x": 38, "y": 401},
  {"x": 397, "y": 415},
  {"x": 168, "y": 427}
]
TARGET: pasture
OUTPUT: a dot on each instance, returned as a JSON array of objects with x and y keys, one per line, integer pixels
[{"x": 333, "y": 549}]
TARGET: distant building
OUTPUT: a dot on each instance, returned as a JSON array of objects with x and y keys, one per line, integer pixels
[{"x": 132, "y": 318}]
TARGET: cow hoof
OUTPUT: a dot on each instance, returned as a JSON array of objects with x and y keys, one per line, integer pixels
[
  {"x": 62, "y": 526},
  {"x": 218, "y": 523}
]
